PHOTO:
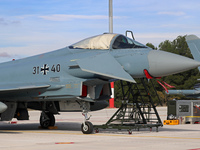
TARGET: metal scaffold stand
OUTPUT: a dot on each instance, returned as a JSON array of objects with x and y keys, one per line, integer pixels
[{"x": 137, "y": 109}]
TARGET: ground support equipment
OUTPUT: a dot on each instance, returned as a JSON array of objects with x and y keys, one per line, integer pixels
[{"x": 137, "y": 109}]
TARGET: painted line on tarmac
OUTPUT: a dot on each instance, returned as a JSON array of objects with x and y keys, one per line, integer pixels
[
  {"x": 64, "y": 143},
  {"x": 101, "y": 134}
]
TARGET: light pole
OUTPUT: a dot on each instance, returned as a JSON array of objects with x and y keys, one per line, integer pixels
[
  {"x": 110, "y": 16},
  {"x": 111, "y": 101}
]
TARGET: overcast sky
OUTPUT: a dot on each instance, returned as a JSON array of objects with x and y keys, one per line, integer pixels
[{"x": 33, "y": 27}]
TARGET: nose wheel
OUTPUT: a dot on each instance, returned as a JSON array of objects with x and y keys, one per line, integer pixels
[
  {"x": 87, "y": 127},
  {"x": 47, "y": 119}
]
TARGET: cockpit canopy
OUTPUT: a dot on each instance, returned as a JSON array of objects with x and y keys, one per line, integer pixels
[{"x": 107, "y": 41}]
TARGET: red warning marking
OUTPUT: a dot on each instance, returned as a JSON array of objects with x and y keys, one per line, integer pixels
[
  {"x": 64, "y": 143},
  {"x": 112, "y": 85},
  {"x": 148, "y": 76},
  {"x": 195, "y": 149},
  {"x": 197, "y": 107},
  {"x": 170, "y": 86},
  {"x": 13, "y": 122},
  {"x": 163, "y": 86}
]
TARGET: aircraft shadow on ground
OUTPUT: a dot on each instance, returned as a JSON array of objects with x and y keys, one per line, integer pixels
[
  {"x": 71, "y": 126},
  {"x": 9, "y": 132},
  {"x": 74, "y": 126},
  {"x": 177, "y": 129},
  {"x": 147, "y": 130}
]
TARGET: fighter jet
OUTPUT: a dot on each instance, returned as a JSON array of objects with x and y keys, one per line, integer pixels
[
  {"x": 194, "y": 44},
  {"x": 77, "y": 77}
]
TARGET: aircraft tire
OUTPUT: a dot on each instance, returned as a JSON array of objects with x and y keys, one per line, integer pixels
[
  {"x": 88, "y": 128},
  {"x": 45, "y": 123}
]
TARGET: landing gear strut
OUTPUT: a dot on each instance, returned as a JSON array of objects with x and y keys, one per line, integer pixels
[
  {"x": 47, "y": 119},
  {"x": 86, "y": 127}
]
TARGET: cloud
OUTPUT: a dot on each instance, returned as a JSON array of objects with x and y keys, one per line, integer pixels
[
  {"x": 172, "y": 13},
  {"x": 157, "y": 38},
  {"x": 4, "y": 54},
  {"x": 8, "y": 22},
  {"x": 2, "y": 21},
  {"x": 64, "y": 17}
]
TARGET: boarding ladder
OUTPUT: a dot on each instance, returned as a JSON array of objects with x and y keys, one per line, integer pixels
[{"x": 138, "y": 109}]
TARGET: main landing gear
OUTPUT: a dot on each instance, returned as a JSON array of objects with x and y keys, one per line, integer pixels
[
  {"x": 47, "y": 119},
  {"x": 86, "y": 127}
]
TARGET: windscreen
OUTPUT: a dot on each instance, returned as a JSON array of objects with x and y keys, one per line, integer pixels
[{"x": 122, "y": 42}]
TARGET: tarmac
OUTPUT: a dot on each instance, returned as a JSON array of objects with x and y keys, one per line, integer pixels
[{"x": 23, "y": 135}]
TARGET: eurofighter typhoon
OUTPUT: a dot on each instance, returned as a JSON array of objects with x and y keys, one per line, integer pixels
[{"x": 77, "y": 77}]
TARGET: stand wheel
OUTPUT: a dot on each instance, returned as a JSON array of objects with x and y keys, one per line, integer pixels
[
  {"x": 46, "y": 120},
  {"x": 129, "y": 132},
  {"x": 156, "y": 129},
  {"x": 87, "y": 128},
  {"x": 97, "y": 130},
  {"x": 150, "y": 129}
]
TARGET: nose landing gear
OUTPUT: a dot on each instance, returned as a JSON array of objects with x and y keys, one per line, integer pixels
[{"x": 86, "y": 127}]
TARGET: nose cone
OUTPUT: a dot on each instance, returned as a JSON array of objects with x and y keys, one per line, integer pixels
[
  {"x": 3, "y": 107},
  {"x": 163, "y": 63}
]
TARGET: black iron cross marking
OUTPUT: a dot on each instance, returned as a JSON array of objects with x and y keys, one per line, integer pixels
[{"x": 45, "y": 69}]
